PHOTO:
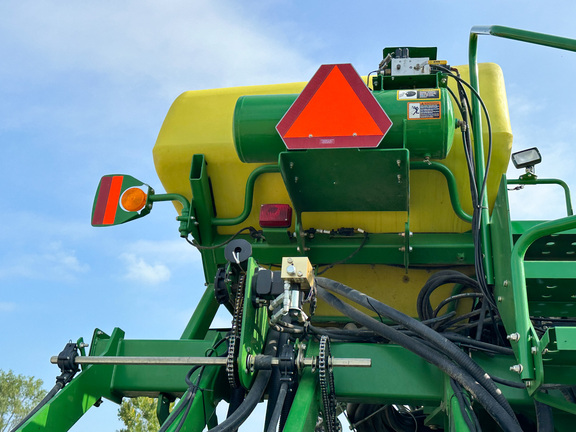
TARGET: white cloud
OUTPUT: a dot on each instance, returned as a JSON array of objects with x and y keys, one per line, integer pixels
[
  {"x": 198, "y": 43},
  {"x": 176, "y": 251},
  {"x": 52, "y": 262},
  {"x": 7, "y": 307},
  {"x": 141, "y": 271},
  {"x": 152, "y": 262}
]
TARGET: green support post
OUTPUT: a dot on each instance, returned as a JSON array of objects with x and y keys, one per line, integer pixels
[
  {"x": 508, "y": 33},
  {"x": 202, "y": 200},
  {"x": 202, "y": 317}
]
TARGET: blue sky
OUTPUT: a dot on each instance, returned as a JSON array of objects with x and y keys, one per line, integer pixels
[{"x": 85, "y": 86}]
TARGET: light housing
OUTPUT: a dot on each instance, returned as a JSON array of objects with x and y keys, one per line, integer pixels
[
  {"x": 526, "y": 158},
  {"x": 133, "y": 199},
  {"x": 275, "y": 216}
]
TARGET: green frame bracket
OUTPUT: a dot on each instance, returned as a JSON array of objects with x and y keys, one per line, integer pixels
[
  {"x": 254, "y": 328},
  {"x": 85, "y": 390},
  {"x": 322, "y": 180},
  {"x": 524, "y": 326},
  {"x": 537, "y": 181},
  {"x": 508, "y": 33}
]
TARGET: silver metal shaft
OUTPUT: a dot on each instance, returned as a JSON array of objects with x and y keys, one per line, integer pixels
[
  {"x": 215, "y": 361},
  {"x": 158, "y": 361}
]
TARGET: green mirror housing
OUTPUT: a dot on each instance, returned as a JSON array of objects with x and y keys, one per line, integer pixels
[{"x": 120, "y": 198}]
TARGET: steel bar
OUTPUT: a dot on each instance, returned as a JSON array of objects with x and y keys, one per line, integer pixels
[
  {"x": 536, "y": 181},
  {"x": 208, "y": 361}
]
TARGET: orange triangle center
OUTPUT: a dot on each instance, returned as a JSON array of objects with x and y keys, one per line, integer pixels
[{"x": 334, "y": 110}]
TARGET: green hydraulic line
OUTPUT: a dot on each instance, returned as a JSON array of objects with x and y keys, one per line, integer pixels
[
  {"x": 535, "y": 181},
  {"x": 525, "y": 329},
  {"x": 248, "y": 197},
  {"x": 450, "y": 180}
]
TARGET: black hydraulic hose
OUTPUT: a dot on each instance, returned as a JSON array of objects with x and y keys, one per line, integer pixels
[
  {"x": 436, "y": 280},
  {"x": 278, "y": 407},
  {"x": 462, "y": 405},
  {"x": 453, "y": 298},
  {"x": 254, "y": 395},
  {"x": 275, "y": 383},
  {"x": 443, "y": 344},
  {"x": 57, "y": 387},
  {"x": 236, "y": 398},
  {"x": 494, "y": 409},
  {"x": 185, "y": 402},
  {"x": 478, "y": 344},
  {"x": 245, "y": 409},
  {"x": 544, "y": 417}
]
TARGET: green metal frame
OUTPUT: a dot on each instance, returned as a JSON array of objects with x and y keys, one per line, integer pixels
[
  {"x": 408, "y": 379},
  {"x": 532, "y": 180},
  {"x": 508, "y": 33}
]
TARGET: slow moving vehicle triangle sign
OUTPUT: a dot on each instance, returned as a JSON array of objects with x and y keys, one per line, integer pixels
[{"x": 335, "y": 110}]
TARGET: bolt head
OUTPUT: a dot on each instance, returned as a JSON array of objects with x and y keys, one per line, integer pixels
[
  {"x": 514, "y": 337},
  {"x": 518, "y": 368}
]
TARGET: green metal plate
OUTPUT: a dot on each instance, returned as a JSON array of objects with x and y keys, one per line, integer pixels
[
  {"x": 254, "y": 328},
  {"x": 560, "y": 247},
  {"x": 347, "y": 179}
]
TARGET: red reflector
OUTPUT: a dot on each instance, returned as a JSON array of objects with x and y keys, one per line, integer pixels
[{"x": 275, "y": 216}]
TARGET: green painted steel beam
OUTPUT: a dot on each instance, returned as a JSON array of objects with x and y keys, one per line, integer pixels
[
  {"x": 304, "y": 411},
  {"x": 396, "y": 376},
  {"x": 203, "y": 315},
  {"x": 400, "y": 376},
  {"x": 150, "y": 380},
  {"x": 427, "y": 249}
]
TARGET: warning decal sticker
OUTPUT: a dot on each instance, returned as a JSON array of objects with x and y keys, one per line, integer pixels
[
  {"x": 424, "y": 110},
  {"x": 418, "y": 94}
]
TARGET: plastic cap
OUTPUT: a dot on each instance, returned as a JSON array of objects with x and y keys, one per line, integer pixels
[{"x": 134, "y": 199}]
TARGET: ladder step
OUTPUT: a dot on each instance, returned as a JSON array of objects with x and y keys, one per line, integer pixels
[{"x": 551, "y": 288}]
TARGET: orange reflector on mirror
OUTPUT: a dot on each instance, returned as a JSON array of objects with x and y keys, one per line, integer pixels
[{"x": 134, "y": 199}]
